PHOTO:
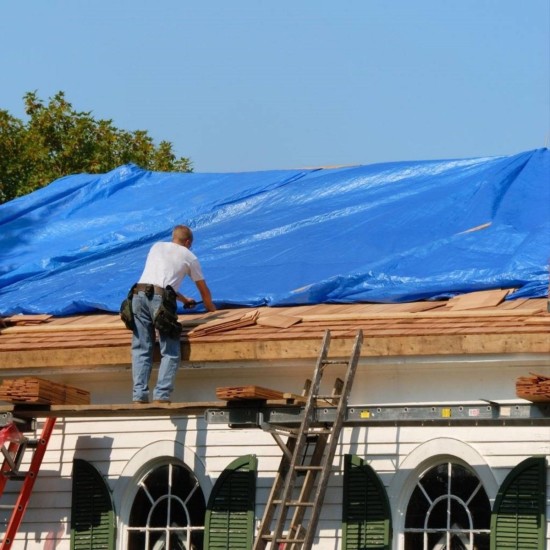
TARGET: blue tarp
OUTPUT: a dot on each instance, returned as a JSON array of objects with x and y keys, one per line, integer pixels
[{"x": 391, "y": 232}]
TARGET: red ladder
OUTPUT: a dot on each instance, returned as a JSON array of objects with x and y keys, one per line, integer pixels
[{"x": 13, "y": 456}]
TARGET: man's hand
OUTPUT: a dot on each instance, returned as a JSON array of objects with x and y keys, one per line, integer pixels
[{"x": 188, "y": 303}]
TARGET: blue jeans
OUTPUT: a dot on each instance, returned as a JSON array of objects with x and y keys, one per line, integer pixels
[{"x": 143, "y": 343}]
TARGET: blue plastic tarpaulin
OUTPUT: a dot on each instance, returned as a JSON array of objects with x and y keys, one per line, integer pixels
[{"x": 392, "y": 232}]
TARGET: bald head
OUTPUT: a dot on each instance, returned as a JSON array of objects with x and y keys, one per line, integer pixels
[{"x": 182, "y": 235}]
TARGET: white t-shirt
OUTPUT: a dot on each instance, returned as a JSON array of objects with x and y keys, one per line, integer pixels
[{"x": 168, "y": 263}]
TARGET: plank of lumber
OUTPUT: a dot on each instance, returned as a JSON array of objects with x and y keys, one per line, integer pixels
[
  {"x": 295, "y": 398},
  {"x": 106, "y": 410},
  {"x": 40, "y": 391}
]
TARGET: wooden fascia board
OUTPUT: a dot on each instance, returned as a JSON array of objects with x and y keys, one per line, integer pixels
[{"x": 303, "y": 348}]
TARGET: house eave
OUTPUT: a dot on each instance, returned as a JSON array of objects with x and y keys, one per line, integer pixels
[{"x": 95, "y": 342}]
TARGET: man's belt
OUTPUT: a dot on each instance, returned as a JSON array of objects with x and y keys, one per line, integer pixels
[{"x": 148, "y": 289}]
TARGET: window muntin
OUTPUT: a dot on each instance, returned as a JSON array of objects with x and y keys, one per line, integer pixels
[
  {"x": 448, "y": 510},
  {"x": 168, "y": 511}
]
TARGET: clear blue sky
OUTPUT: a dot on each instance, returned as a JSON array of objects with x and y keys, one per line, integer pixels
[{"x": 255, "y": 84}]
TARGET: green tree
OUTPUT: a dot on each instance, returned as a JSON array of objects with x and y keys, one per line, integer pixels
[{"x": 58, "y": 141}]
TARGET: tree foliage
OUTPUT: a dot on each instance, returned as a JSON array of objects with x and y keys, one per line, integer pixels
[{"x": 58, "y": 141}]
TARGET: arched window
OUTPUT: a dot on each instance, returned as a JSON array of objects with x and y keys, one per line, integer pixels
[
  {"x": 448, "y": 509},
  {"x": 168, "y": 510}
]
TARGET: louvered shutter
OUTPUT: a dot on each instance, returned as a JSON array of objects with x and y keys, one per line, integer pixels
[
  {"x": 92, "y": 517},
  {"x": 366, "y": 509},
  {"x": 230, "y": 511},
  {"x": 518, "y": 520}
]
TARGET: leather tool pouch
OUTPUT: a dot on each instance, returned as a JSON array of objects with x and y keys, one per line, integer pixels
[
  {"x": 126, "y": 312},
  {"x": 166, "y": 319}
]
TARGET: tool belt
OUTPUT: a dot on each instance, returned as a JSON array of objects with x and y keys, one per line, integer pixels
[
  {"x": 126, "y": 312},
  {"x": 150, "y": 290},
  {"x": 166, "y": 319}
]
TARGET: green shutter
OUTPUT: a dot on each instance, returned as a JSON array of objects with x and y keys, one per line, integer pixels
[
  {"x": 92, "y": 517},
  {"x": 366, "y": 513},
  {"x": 518, "y": 520},
  {"x": 230, "y": 511}
]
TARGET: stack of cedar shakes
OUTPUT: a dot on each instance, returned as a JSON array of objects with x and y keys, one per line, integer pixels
[
  {"x": 248, "y": 392},
  {"x": 37, "y": 391},
  {"x": 238, "y": 320},
  {"x": 535, "y": 387}
]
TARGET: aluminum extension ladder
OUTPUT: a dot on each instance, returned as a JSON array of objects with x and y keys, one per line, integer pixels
[
  {"x": 13, "y": 453},
  {"x": 304, "y": 472}
]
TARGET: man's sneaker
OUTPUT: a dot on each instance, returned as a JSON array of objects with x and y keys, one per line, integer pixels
[
  {"x": 141, "y": 401},
  {"x": 162, "y": 401}
]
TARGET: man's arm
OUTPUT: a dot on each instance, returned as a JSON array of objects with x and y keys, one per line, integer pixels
[{"x": 205, "y": 295}]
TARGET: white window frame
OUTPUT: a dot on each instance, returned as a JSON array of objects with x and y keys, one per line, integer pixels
[
  {"x": 466, "y": 535},
  {"x": 172, "y": 499},
  {"x": 421, "y": 459},
  {"x": 149, "y": 457}
]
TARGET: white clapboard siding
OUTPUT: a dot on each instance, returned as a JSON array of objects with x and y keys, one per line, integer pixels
[
  {"x": 384, "y": 448},
  {"x": 111, "y": 443}
]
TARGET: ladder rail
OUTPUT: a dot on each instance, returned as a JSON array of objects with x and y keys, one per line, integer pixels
[
  {"x": 309, "y": 414},
  {"x": 28, "y": 485},
  {"x": 8, "y": 464},
  {"x": 269, "y": 512},
  {"x": 13, "y": 454},
  {"x": 329, "y": 456},
  {"x": 317, "y": 464},
  {"x": 296, "y": 528},
  {"x": 301, "y": 529}
]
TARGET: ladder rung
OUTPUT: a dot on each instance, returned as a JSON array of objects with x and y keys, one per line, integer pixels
[
  {"x": 17, "y": 476},
  {"x": 6, "y": 507},
  {"x": 324, "y": 435},
  {"x": 318, "y": 431},
  {"x": 293, "y": 503}
]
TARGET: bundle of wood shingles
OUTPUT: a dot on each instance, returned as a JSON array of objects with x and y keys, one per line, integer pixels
[
  {"x": 256, "y": 393},
  {"x": 535, "y": 387},
  {"x": 459, "y": 305},
  {"x": 231, "y": 393},
  {"x": 241, "y": 320},
  {"x": 238, "y": 320},
  {"x": 31, "y": 390}
]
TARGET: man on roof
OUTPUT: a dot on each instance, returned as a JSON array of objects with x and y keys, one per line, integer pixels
[{"x": 154, "y": 306}]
